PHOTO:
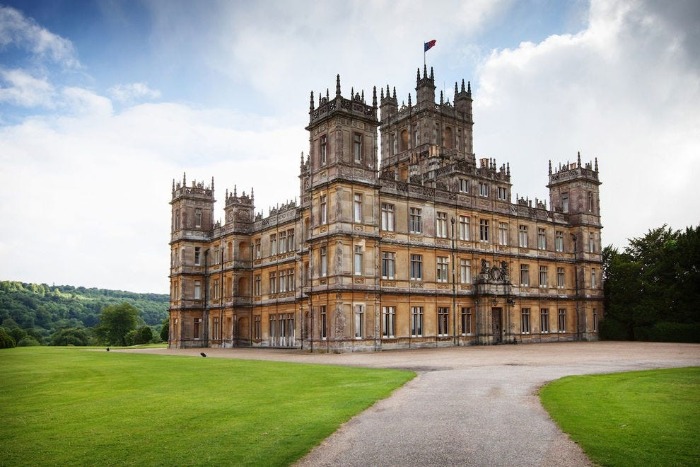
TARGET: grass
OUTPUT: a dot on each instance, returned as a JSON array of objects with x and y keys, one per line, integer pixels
[
  {"x": 630, "y": 419},
  {"x": 72, "y": 406}
]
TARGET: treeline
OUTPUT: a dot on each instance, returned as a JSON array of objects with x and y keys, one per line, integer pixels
[
  {"x": 652, "y": 288},
  {"x": 40, "y": 311}
]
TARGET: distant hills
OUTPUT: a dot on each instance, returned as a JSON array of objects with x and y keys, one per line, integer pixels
[{"x": 44, "y": 309}]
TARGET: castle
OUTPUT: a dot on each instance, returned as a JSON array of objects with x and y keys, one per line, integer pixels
[{"x": 423, "y": 247}]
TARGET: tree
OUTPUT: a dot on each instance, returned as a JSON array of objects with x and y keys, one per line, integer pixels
[
  {"x": 6, "y": 340},
  {"x": 165, "y": 330},
  {"x": 70, "y": 336},
  {"x": 115, "y": 323},
  {"x": 144, "y": 335}
]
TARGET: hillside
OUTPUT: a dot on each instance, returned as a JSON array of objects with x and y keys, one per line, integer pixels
[{"x": 45, "y": 308}]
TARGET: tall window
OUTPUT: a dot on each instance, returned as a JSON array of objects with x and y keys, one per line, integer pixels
[
  {"x": 291, "y": 284},
  {"x": 324, "y": 261},
  {"x": 441, "y": 225},
  {"x": 197, "y": 217},
  {"x": 257, "y": 250},
  {"x": 197, "y": 290},
  {"x": 416, "y": 267},
  {"x": 463, "y": 185},
  {"x": 590, "y": 201},
  {"x": 541, "y": 239},
  {"x": 522, "y": 236},
  {"x": 388, "y": 321},
  {"x": 543, "y": 276},
  {"x": 273, "y": 244},
  {"x": 197, "y": 328},
  {"x": 197, "y": 256},
  {"x": 502, "y": 193},
  {"x": 525, "y": 321},
  {"x": 358, "y": 260},
  {"x": 591, "y": 243},
  {"x": 215, "y": 289},
  {"x": 357, "y": 147},
  {"x": 283, "y": 242},
  {"x": 416, "y": 321},
  {"x": 502, "y": 233},
  {"x": 257, "y": 287},
  {"x": 388, "y": 217},
  {"x": 464, "y": 228},
  {"x": 466, "y": 320},
  {"x": 414, "y": 221},
  {"x": 544, "y": 320},
  {"x": 561, "y": 322},
  {"x": 290, "y": 240},
  {"x": 388, "y": 264},
  {"x": 359, "y": 321},
  {"x": 484, "y": 230},
  {"x": 559, "y": 241},
  {"x": 594, "y": 282},
  {"x": 465, "y": 271},
  {"x": 565, "y": 202},
  {"x": 525, "y": 275},
  {"x": 273, "y": 282},
  {"x": 443, "y": 315},
  {"x": 324, "y": 149},
  {"x": 560, "y": 278},
  {"x": 484, "y": 189},
  {"x": 257, "y": 330},
  {"x": 283, "y": 281},
  {"x": 595, "y": 320},
  {"x": 324, "y": 209},
  {"x": 324, "y": 322},
  {"x": 441, "y": 269},
  {"x": 357, "y": 213}
]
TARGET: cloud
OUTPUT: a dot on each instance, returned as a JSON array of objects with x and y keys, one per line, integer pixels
[
  {"x": 623, "y": 90},
  {"x": 129, "y": 93},
  {"x": 17, "y": 87},
  {"x": 24, "y": 33}
]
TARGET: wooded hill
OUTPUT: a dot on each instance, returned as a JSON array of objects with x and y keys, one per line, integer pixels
[{"x": 44, "y": 309}]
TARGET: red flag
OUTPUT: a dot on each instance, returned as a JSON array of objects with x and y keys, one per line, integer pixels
[{"x": 429, "y": 45}]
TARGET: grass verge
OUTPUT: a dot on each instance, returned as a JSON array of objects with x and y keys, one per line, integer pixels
[
  {"x": 72, "y": 406},
  {"x": 630, "y": 419}
]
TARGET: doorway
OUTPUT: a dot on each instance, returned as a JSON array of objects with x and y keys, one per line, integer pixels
[{"x": 497, "y": 325}]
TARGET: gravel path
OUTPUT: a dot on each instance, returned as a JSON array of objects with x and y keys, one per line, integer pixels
[{"x": 468, "y": 405}]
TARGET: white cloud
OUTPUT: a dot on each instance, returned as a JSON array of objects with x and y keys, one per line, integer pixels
[
  {"x": 129, "y": 93},
  {"x": 620, "y": 90},
  {"x": 17, "y": 87}
]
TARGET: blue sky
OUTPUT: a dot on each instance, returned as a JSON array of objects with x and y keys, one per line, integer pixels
[{"x": 104, "y": 103}]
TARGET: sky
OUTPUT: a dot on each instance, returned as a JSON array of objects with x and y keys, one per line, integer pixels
[{"x": 104, "y": 102}]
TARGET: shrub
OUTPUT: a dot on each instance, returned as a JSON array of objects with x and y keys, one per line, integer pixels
[
  {"x": 6, "y": 340},
  {"x": 28, "y": 341},
  {"x": 70, "y": 336}
]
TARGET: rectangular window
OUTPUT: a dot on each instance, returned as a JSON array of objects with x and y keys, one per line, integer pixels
[
  {"x": 215, "y": 289},
  {"x": 525, "y": 275},
  {"x": 359, "y": 321},
  {"x": 197, "y": 217},
  {"x": 324, "y": 261},
  {"x": 565, "y": 202},
  {"x": 197, "y": 328},
  {"x": 559, "y": 241},
  {"x": 197, "y": 256},
  {"x": 484, "y": 230},
  {"x": 541, "y": 239},
  {"x": 283, "y": 281},
  {"x": 561, "y": 322},
  {"x": 443, "y": 319},
  {"x": 416, "y": 267},
  {"x": 273, "y": 244},
  {"x": 283, "y": 242},
  {"x": 463, "y": 185},
  {"x": 388, "y": 217},
  {"x": 502, "y": 193},
  {"x": 441, "y": 225},
  {"x": 589, "y": 204},
  {"x": 273, "y": 282},
  {"x": 525, "y": 321},
  {"x": 595, "y": 320},
  {"x": 197, "y": 290},
  {"x": 358, "y": 261},
  {"x": 466, "y": 321},
  {"x": 290, "y": 240},
  {"x": 544, "y": 320},
  {"x": 560, "y": 278},
  {"x": 357, "y": 215},
  {"x": 416, "y": 321},
  {"x": 441, "y": 269},
  {"x": 324, "y": 209},
  {"x": 502, "y": 233},
  {"x": 257, "y": 250},
  {"x": 324, "y": 149},
  {"x": 324, "y": 322},
  {"x": 388, "y": 321},
  {"x": 522, "y": 236},
  {"x": 258, "y": 285},
  {"x": 484, "y": 189},
  {"x": 591, "y": 243},
  {"x": 464, "y": 228},
  {"x": 415, "y": 224},
  {"x": 388, "y": 264},
  {"x": 594, "y": 281},
  {"x": 465, "y": 271},
  {"x": 543, "y": 276},
  {"x": 357, "y": 147},
  {"x": 257, "y": 330}
]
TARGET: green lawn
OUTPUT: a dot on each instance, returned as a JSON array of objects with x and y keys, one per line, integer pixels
[
  {"x": 638, "y": 418},
  {"x": 75, "y": 406}
]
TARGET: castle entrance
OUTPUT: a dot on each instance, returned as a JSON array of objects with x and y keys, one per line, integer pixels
[{"x": 497, "y": 324}]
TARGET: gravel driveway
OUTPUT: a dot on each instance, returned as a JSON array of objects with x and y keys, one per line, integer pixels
[{"x": 468, "y": 405}]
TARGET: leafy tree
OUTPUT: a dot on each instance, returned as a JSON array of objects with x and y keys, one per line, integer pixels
[
  {"x": 71, "y": 336},
  {"x": 165, "y": 330},
  {"x": 144, "y": 335},
  {"x": 28, "y": 341},
  {"x": 115, "y": 323},
  {"x": 6, "y": 340}
]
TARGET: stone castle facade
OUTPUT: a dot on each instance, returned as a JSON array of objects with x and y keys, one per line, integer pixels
[{"x": 402, "y": 238}]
